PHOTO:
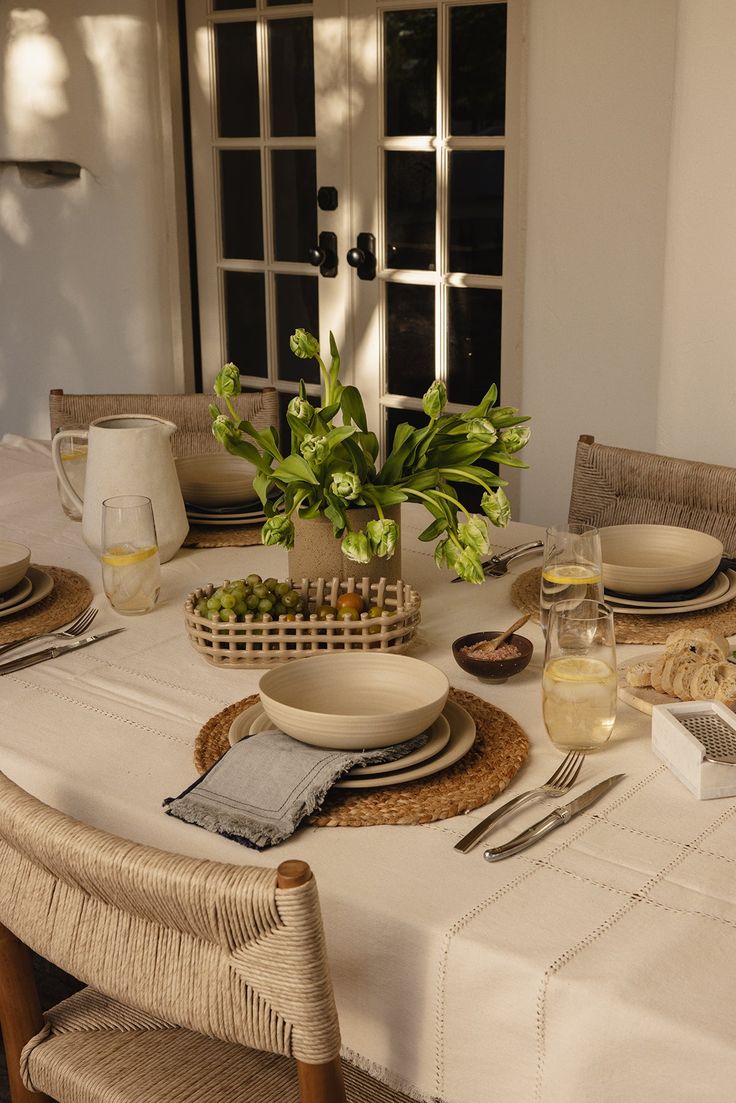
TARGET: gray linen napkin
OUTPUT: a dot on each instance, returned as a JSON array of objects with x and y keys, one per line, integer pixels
[{"x": 262, "y": 788}]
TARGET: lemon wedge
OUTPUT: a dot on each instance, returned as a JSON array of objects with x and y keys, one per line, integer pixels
[
  {"x": 571, "y": 574},
  {"x": 573, "y": 669},
  {"x": 121, "y": 557}
]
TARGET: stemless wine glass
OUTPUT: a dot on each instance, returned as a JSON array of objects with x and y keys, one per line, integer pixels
[
  {"x": 579, "y": 682},
  {"x": 131, "y": 565},
  {"x": 571, "y": 572},
  {"x": 73, "y": 455}
]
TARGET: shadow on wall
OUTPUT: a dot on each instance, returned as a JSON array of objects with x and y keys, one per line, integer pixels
[{"x": 81, "y": 237}]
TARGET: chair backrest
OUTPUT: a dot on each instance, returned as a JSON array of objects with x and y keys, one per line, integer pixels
[
  {"x": 215, "y": 948},
  {"x": 620, "y": 486},
  {"x": 189, "y": 412}
]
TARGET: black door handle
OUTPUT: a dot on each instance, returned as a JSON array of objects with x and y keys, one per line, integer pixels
[
  {"x": 324, "y": 255},
  {"x": 362, "y": 257}
]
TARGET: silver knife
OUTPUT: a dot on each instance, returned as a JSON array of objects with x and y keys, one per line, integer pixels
[
  {"x": 555, "y": 819},
  {"x": 489, "y": 565},
  {"x": 54, "y": 652}
]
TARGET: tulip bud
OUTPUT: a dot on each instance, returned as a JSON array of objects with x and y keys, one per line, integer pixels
[{"x": 227, "y": 382}]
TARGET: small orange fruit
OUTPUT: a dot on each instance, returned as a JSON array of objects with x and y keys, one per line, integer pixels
[{"x": 351, "y": 600}]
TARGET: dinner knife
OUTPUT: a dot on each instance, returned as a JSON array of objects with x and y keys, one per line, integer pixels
[
  {"x": 54, "y": 652},
  {"x": 555, "y": 819}
]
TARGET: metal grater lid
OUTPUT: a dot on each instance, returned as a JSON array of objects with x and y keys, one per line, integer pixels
[{"x": 717, "y": 737}]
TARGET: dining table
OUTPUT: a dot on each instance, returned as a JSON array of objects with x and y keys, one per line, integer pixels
[{"x": 598, "y": 965}]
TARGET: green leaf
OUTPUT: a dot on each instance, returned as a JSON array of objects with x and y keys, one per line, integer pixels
[
  {"x": 434, "y": 530},
  {"x": 295, "y": 468},
  {"x": 505, "y": 458},
  {"x": 326, "y": 413},
  {"x": 385, "y": 495},
  {"x": 353, "y": 408},
  {"x": 481, "y": 410},
  {"x": 507, "y": 420},
  {"x": 261, "y": 485}
]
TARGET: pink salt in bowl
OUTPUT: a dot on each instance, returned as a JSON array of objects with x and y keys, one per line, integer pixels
[{"x": 512, "y": 657}]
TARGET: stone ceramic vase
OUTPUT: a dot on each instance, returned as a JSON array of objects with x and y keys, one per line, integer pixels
[{"x": 316, "y": 552}]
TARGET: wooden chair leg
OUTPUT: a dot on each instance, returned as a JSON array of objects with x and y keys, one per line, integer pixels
[
  {"x": 20, "y": 1012},
  {"x": 321, "y": 1083},
  {"x": 317, "y": 1083}
]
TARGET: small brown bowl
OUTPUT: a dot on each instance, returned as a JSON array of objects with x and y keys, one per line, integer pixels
[{"x": 492, "y": 670}]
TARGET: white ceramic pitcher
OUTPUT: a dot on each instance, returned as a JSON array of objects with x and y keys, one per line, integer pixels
[{"x": 129, "y": 454}]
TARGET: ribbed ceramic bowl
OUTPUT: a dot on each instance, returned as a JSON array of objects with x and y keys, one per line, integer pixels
[
  {"x": 354, "y": 700},
  {"x": 216, "y": 480},
  {"x": 14, "y": 561},
  {"x": 656, "y": 559}
]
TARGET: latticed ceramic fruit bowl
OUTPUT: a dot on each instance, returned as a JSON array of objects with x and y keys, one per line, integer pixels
[{"x": 260, "y": 643}]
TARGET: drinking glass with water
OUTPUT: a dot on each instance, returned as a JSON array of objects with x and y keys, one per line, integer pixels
[
  {"x": 131, "y": 565},
  {"x": 572, "y": 571},
  {"x": 579, "y": 683}
]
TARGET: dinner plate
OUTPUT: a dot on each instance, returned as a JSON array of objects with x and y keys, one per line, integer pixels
[
  {"x": 216, "y": 521},
  {"x": 687, "y": 607},
  {"x": 462, "y": 737},
  {"x": 16, "y": 593},
  {"x": 439, "y": 737},
  {"x": 718, "y": 586},
  {"x": 460, "y": 727},
  {"x": 42, "y": 584},
  {"x": 239, "y": 510},
  {"x": 255, "y": 720}
]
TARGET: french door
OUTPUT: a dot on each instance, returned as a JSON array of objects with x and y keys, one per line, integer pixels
[{"x": 357, "y": 168}]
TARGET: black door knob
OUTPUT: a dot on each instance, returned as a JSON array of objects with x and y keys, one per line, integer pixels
[
  {"x": 362, "y": 257},
  {"x": 324, "y": 255}
]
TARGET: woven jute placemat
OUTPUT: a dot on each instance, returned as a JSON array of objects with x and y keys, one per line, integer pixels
[
  {"x": 496, "y": 756},
  {"x": 631, "y": 628},
  {"x": 226, "y": 536},
  {"x": 70, "y": 596}
]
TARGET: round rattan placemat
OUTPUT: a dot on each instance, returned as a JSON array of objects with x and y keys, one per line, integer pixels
[
  {"x": 70, "y": 596},
  {"x": 630, "y": 628},
  {"x": 226, "y": 536},
  {"x": 498, "y": 753}
]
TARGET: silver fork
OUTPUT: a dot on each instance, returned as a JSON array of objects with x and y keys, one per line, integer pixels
[
  {"x": 557, "y": 785},
  {"x": 76, "y": 628}
]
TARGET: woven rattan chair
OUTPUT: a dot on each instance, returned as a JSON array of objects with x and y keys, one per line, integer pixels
[
  {"x": 189, "y": 412},
  {"x": 206, "y": 980},
  {"x": 619, "y": 486}
]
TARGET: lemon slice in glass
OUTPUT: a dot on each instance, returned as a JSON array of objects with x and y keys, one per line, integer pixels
[
  {"x": 121, "y": 556},
  {"x": 572, "y": 574}
]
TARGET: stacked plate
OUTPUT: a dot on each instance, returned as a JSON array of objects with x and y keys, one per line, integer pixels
[
  {"x": 355, "y": 701},
  {"x": 32, "y": 588},
  {"x": 717, "y": 590},
  {"x": 242, "y": 514},
  {"x": 448, "y": 738}
]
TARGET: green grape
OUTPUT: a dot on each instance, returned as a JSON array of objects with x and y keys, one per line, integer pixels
[
  {"x": 271, "y": 583},
  {"x": 227, "y": 601},
  {"x": 213, "y": 615},
  {"x": 253, "y": 580},
  {"x": 281, "y": 588},
  {"x": 213, "y": 603},
  {"x": 240, "y": 608},
  {"x": 225, "y": 615},
  {"x": 261, "y": 590},
  {"x": 291, "y": 599},
  {"x": 201, "y": 608},
  {"x": 265, "y": 605},
  {"x": 252, "y": 601},
  {"x": 278, "y": 609}
]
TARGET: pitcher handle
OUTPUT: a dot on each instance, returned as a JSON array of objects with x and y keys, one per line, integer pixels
[{"x": 60, "y": 472}]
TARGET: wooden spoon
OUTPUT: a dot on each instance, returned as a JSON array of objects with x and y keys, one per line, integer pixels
[{"x": 491, "y": 645}]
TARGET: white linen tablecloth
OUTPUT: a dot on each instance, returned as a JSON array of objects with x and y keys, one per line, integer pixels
[{"x": 597, "y": 966}]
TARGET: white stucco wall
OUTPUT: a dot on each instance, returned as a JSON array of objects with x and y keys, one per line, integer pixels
[
  {"x": 83, "y": 270},
  {"x": 601, "y": 77},
  {"x": 697, "y": 388}
]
